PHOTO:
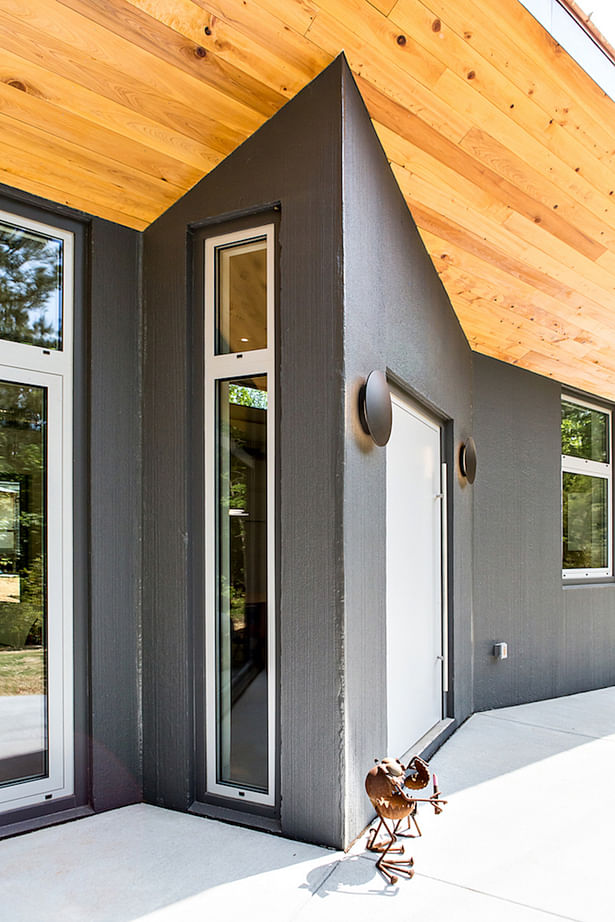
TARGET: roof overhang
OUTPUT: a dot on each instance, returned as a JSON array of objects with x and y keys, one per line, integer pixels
[{"x": 501, "y": 143}]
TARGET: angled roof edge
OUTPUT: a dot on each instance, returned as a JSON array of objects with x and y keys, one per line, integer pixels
[{"x": 571, "y": 28}]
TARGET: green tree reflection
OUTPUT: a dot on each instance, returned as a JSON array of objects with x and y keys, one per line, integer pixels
[
  {"x": 22, "y": 467},
  {"x": 30, "y": 278}
]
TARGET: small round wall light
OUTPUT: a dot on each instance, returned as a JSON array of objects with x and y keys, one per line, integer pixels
[
  {"x": 375, "y": 410},
  {"x": 467, "y": 460}
]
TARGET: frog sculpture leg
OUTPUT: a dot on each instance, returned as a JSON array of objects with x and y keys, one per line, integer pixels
[{"x": 388, "y": 787}]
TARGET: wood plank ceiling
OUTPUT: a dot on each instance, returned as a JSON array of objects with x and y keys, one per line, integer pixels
[{"x": 502, "y": 146}]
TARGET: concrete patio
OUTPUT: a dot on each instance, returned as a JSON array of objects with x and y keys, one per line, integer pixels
[{"x": 527, "y": 837}]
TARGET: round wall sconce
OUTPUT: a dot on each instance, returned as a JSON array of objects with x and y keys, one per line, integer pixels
[
  {"x": 375, "y": 411},
  {"x": 467, "y": 460}
]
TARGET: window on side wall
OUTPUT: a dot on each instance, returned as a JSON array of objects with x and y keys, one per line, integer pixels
[{"x": 586, "y": 490}]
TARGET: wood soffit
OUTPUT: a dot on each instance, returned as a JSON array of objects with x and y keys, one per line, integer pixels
[{"x": 503, "y": 147}]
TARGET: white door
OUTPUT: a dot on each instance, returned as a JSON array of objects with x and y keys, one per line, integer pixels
[{"x": 414, "y": 577}]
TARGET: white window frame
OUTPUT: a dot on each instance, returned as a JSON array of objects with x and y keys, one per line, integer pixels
[
  {"x": 572, "y": 465},
  {"x": 220, "y": 368},
  {"x": 53, "y": 370}
]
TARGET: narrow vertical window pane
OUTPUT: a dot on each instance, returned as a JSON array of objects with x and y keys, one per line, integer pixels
[
  {"x": 585, "y": 518},
  {"x": 30, "y": 287},
  {"x": 241, "y": 296},
  {"x": 242, "y": 675},
  {"x": 23, "y": 643},
  {"x": 585, "y": 432}
]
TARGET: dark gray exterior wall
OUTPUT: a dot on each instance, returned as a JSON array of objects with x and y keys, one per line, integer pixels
[
  {"x": 397, "y": 317},
  {"x": 295, "y": 159},
  {"x": 107, "y": 512},
  {"x": 561, "y": 638},
  {"x": 115, "y": 514}
]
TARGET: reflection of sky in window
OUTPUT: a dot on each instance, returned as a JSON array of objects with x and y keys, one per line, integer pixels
[{"x": 42, "y": 256}]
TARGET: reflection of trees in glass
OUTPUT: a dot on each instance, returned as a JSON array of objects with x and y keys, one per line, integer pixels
[
  {"x": 238, "y": 502},
  {"x": 247, "y": 396},
  {"x": 22, "y": 461},
  {"x": 30, "y": 275},
  {"x": 241, "y": 461},
  {"x": 584, "y": 432},
  {"x": 584, "y": 515}
]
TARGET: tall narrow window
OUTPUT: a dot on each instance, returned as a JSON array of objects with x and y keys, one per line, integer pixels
[
  {"x": 586, "y": 490},
  {"x": 36, "y": 725},
  {"x": 240, "y": 504}
]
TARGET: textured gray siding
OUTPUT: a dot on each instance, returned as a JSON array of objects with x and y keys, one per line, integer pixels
[
  {"x": 295, "y": 159},
  {"x": 397, "y": 317},
  {"x": 115, "y": 515},
  {"x": 561, "y": 638}
]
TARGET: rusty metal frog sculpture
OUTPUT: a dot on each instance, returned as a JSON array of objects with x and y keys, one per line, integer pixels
[{"x": 389, "y": 785}]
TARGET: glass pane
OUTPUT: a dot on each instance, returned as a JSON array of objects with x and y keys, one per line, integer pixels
[
  {"x": 585, "y": 521},
  {"x": 242, "y": 683},
  {"x": 585, "y": 432},
  {"x": 241, "y": 292},
  {"x": 23, "y": 643}
]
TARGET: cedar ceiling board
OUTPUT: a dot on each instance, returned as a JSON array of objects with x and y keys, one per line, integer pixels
[
  {"x": 228, "y": 44},
  {"x": 607, "y": 261},
  {"x": 567, "y": 371},
  {"x": 25, "y": 161},
  {"x": 453, "y": 262},
  {"x": 507, "y": 33},
  {"x": 461, "y": 221},
  {"x": 115, "y": 86},
  {"x": 395, "y": 84},
  {"x": 62, "y": 93},
  {"x": 94, "y": 57},
  {"x": 532, "y": 233},
  {"x": 514, "y": 234},
  {"x": 403, "y": 154},
  {"x": 25, "y": 106},
  {"x": 508, "y": 228},
  {"x": 129, "y": 23},
  {"x": 526, "y": 333},
  {"x": 402, "y": 90},
  {"x": 383, "y": 6},
  {"x": 526, "y": 33},
  {"x": 129, "y": 186},
  {"x": 473, "y": 168},
  {"x": 458, "y": 88},
  {"x": 482, "y": 29},
  {"x": 459, "y": 284},
  {"x": 377, "y": 35},
  {"x": 272, "y": 32},
  {"x": 21, "y": 165},
  {"x": 72, "y": 199},
  {"x": 518, "y": 106},
  {"x": 555, "y": 210},
  {"x": 425, "y": 185},
  {"x": 466, "y": 240},
  {"x": 165, "y": 81},
  {"x": 522, "y": 145},
  {"x": 296, "y": 14},
  {"x": 485, "y": 314}
]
